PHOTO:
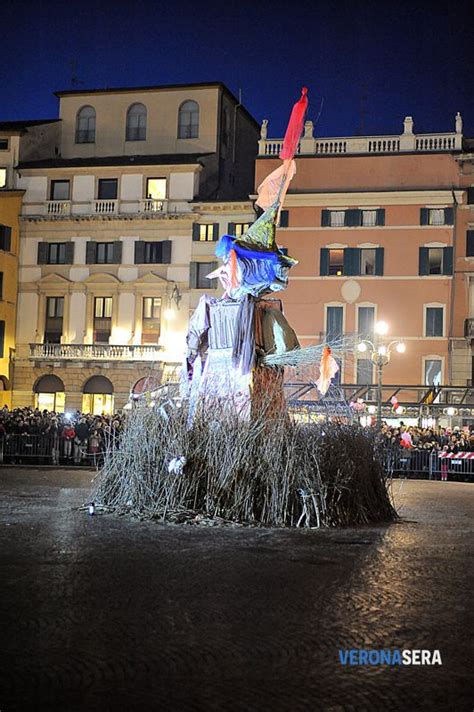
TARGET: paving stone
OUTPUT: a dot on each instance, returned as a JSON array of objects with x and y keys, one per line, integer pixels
[{"x": 108, "y": 613}]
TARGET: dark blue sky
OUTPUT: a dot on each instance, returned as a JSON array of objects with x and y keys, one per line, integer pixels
[{"x": 366, "y": 64}]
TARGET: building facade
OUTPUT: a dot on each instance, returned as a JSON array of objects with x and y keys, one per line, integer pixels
[
  {"x": 379, "y": 225},
  {"x": 118, "y": 226}
]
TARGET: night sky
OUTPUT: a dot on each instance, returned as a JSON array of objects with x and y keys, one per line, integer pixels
[{"x": 366, "y": 64}]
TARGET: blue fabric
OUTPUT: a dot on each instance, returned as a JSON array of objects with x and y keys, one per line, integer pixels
[{"x": 228, "y": 243}]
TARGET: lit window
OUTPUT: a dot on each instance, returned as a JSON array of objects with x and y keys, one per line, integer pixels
[
  {"x": 151, "y": 307},
  {"x": 337, "y": 218},
  {"x": 156, "y": 188},
  {"x": 240, "y": 228},
  {"x": 3, "y": 177},
  {"x": 188, "y": 120},
  {"x": 336, "y": 262},
  {"x": 206, "y": 233},
  {"x": 103, "y": 307},
  {"x": 369, "y": 218}
]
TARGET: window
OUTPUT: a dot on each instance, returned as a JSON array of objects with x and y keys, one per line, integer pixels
[
  {"x": 334, "y": 323},
  {"x": 353, "y": 217},
  {"x": 436, "y": 216},
  {"x": 2, "y": 339},
  {"x": 470, "y": 243},
  {"x": 434, "y": 321},
  {"x": 153, "y": 252},
  {"x": 207, "y": 233},
  {"x": 285, "y": 218},
  {"x": 107, "y": 189},
  {"x": 49, "y": 393},
  {"x": 98, "y": 397},
  {"x": 57, "y": 253},
  {"x": 364, "y": 371},
  {"x": 85, "y": 125},
  {"x": 198, "y": 272},
  {"x": 3, "y": 177},
  {"x": 436, "y": 260},
  {"x": 337, "y": 218},
  {"x": 351, "y": 261},
  {"x": 136, "y": 123},
  {"x": 470, "y": 195},
  {"x": 433, "y": 369},
  {"x": 5, "y": 238},
  {"x": 237, "y": 229},
  {"x": 188, "y": 120},
  {"x": 4, "y": 144},
  {"x": 59, "y": 190},
  {"x": 103, "y": 307},
  {"x": 369, "y": 218},
  {"x": 53, "y": 328},
  {"x": 1, "y": 285},
  {"x": 151, "y": 320},
  {"x": 367, "y": 261},
  {"x": 336, "y": 262},
  {"x": 156, "y": 188},
  {"x": 102, "y": 319},
  {"x": 365, "y": 323},
  {"x": 104, "y": 253}
]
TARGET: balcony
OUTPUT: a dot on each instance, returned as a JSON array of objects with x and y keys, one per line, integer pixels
[
  {"x": 407, "y": 141},
  {"x": 151, "y": 205},
  {"x": 95, "y": 352},
  {"x": 58, "y": 207},
  {"x": 105, "y": 207}
]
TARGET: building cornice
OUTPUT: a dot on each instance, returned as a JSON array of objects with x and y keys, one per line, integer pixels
[{"x": 373, "y": 198}]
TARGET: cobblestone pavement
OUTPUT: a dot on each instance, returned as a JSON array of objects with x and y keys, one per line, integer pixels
[{"x": 106, "y": 613}]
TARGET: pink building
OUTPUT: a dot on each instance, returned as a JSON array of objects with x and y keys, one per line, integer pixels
[{"x": 383, "y": 228}]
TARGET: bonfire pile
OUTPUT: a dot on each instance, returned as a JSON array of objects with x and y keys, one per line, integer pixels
[{"x": 260, "y": 471}]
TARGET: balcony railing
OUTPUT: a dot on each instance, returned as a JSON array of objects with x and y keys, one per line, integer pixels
[
  {"x": 151, "y": 205},
  {"x": 58, "y": 207},
  {"x": 105, "y": 207},
  {"x": 95, "y": 352},
  {"x": 310, "y": 145}
]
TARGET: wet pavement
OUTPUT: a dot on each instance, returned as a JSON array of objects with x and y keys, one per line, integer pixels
[{"x": 107, "y": 613}]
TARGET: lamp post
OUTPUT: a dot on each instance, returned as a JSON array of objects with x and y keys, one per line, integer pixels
[{"x": 380, "y": 353}]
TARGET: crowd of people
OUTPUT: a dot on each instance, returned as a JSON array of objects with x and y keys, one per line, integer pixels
[
  {"x": 412, "y": 437},
  {"x": 76, "y": 437}
]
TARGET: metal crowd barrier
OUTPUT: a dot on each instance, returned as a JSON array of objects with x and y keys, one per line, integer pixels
[
  {"x": 433, "y": 465},
  {"x": 49, "y": 450}
]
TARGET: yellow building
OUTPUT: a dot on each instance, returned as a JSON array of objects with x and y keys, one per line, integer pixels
[{"x": 10, "y": 208}]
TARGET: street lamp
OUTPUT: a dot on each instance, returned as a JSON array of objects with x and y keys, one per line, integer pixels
[{"x": 380, "y": 353}]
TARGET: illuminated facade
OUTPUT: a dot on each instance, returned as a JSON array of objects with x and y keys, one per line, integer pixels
[
  {"x": 118, "y": 228},
  {"x": 380, "y": 226}
]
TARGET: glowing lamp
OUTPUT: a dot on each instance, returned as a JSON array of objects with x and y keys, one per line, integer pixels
[
  {"x": 401, "y": 348},
  {"x": 381, "y": 328},
  {"x": 362, "y": 347}
]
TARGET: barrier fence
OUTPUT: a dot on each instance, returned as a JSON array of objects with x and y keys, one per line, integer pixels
[
  {"x": 52, "y": 450},
  {"x": 56, "y": 450}
]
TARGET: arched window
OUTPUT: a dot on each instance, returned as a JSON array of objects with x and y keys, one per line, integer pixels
[
  {"x": 49, "y": 393},
  {"x": 188, "y": 120},
  {"x": 85, "y": 125},
  {"x": 136, "y": 123},
  {"x": 98, "y": 396}
]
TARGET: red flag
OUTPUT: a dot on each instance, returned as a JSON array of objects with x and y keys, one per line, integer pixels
[{"x": 295, "y": 127}]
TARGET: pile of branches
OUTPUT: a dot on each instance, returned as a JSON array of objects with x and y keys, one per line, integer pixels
[{"x": 251, "y": 470}]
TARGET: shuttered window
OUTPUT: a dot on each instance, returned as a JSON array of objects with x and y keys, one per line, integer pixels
[
  {"x": 5, "y": 238},
  {"x": 436, "y": 261},
  {"x": 197, "y": 275},
  {"x": 334, "y": 322},
  {"x": 158, "y": 252}
]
